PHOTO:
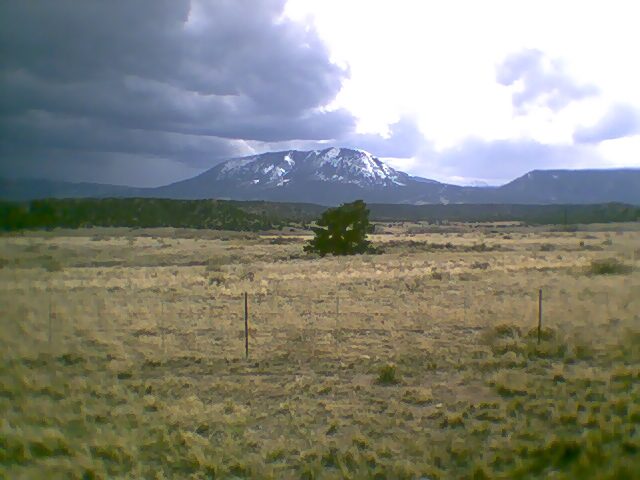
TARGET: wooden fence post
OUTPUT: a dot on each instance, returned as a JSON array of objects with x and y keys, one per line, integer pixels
[
  {"x": 539, "y": 314},
  {"x": 335, "y": 333},
  {"x": 162, "y": 331},
  {"x": 246, "y": 326},
  {"x": 50, "y": 326},
  {"x": 465, "y": 308},
  {"x": 98, "y": 314}
]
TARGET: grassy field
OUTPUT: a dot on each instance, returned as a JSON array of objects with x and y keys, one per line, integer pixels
[{"x": 123, "y": 355}]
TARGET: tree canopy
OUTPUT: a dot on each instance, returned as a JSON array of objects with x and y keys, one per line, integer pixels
[{"x": 342, "y": 231}]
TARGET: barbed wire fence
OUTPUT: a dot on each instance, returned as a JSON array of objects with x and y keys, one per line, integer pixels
[{"x": 168, "y": 324}]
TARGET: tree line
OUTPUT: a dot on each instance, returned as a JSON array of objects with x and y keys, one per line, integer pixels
[
  {"x": 130, "y": 212},
  {"x": 254, "y": 216}
]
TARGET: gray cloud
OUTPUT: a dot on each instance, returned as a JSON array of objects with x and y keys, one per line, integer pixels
[
  {"x": 544, "y": 82},
  {"x": 620, "y": 121},
  {"x": 41, "y": 130},
  {"x": 185, "y": 81},
  {"x": 149, "y": 91},
  {"x": 405, "y": 140},
  {"x": 501, "y": 160},
  {"x": 93, "y": 166}
]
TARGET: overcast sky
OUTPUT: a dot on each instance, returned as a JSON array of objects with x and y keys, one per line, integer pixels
[{"x": 146, "y": 92}]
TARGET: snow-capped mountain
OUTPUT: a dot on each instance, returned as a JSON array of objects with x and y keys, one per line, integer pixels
[
  {"x": 330, "y": 175},
  {"x": 333, "y": 165}
]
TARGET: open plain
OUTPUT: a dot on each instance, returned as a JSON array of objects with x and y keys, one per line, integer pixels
[{"x": 123, "y": 354}]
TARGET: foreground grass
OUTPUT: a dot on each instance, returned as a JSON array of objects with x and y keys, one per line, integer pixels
[{"x": 415, "y": 375}]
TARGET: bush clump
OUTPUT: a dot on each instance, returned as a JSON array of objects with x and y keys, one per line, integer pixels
[
  {"x": 609, "y": 266},
  {"x": 216, "y": 264},
  {"x": 51, "y": 264},
  {"x": 388, "y": 375}
]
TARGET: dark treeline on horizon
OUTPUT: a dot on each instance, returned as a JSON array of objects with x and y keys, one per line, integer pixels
[{"x": 258, "y": 215}]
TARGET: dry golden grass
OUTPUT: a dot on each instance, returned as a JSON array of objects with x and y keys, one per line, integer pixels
[{"x": 123, "y": 355}]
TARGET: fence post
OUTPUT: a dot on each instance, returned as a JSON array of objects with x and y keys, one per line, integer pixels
[
  {"x": 98, "y": 317},
  {"x": 163, "y": 345},
  {"x": 335, "y": 332},
  {"x": 246, "y": 326},
  {"x": 50, "y": 326},
  {"x": 539, "y": 314},
  {"x": 465, "y": 308}
]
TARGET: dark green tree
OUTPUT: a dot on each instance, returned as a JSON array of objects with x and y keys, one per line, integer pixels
[{"x": 342, "y": 231}]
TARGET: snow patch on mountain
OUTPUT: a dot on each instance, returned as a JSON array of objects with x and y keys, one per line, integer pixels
[
  {"x": 335, "y": 165},
  {"x": 236, "y": 163}
]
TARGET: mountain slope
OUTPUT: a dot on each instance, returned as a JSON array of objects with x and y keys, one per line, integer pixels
[
  {"x": 260, "y": 175},
  {"x": 328, "y": 176},
  {"x": 336, "y": 175},
  {"x": 573, "y": 186}
]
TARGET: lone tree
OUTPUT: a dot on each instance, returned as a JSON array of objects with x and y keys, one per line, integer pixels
[{"x": 342, "y": 230}]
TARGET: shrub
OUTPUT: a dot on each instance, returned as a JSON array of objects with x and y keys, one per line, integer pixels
[
  {"x": 215, "y": 264},
  {"x": 387, "y": 375},
  {"x": 507, "y": 330},
  {"x": 216, "y": 278},
  {"x": 51, "y": 264},
  {"x": 247, "y": 275},
  {"x": 609, "y": 266},
  {"x": 546, "y": 333},
  {"x": 283, "y": 240},
  {"x": 480, "y": 265}
]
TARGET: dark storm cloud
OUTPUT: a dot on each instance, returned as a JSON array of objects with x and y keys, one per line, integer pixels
[
  {"x": 620, "y": 121},
  {"x": 180, "y": 80},
  {"x": 146, "y": 170},
  {"x": 543, "y": 82},
  {"x": 43, "y": 130}
]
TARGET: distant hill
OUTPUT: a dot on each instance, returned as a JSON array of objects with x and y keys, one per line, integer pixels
[
  {"x": 572, "y": 186},
  {"x": 336, "y": 175}
]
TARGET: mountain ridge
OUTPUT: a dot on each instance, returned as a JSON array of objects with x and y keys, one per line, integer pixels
[{"x": 335, "y": 175}]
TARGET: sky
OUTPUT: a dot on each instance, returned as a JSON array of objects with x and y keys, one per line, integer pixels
[{"x": 148, "y": 92}]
